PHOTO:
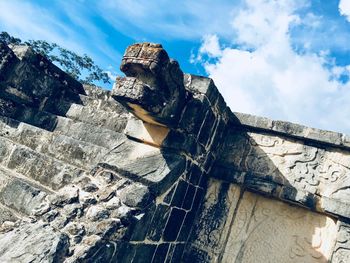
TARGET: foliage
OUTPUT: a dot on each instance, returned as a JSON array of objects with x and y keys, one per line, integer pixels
[{"x": 70, "y": 62}]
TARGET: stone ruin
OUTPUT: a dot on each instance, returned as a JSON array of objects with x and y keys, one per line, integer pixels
[{"x": 159, "y": 170}]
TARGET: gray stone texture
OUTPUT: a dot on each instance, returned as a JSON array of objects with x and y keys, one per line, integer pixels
[{"x": 36, "y": 242}]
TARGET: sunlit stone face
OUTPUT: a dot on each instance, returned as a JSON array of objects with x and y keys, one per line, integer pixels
[{"x": 266, "y": 230}]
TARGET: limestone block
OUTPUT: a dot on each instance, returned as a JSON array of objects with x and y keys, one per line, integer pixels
[
  {"x": 44, "y": 169},
  {"x": 21, "y": 196},
  {"x": 266, "y": 230},
  {"x": 194, "y": 114},
  {"x": 213, "y": 223},
  {"x": 251, "y": 120},
  {"x": 146, "y": 132},
  {"x": 135, "y": 195},
  {"x": 144, "y": 163},
  {"x": 76, "y": 152},
  {"x": 110, "y": 120},
  {"x": 6, "y": 216},
  {"x": 89, "y": 133},
  {"x": 203, "y": 85},
  {"x": 36, "y": 242}
]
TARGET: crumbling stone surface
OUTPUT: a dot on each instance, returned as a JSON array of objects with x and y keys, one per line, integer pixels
[
  {"x": 342, "y": 246},
  {"x": 91, "y": 175},
  {"x": 33, "y": 242}
]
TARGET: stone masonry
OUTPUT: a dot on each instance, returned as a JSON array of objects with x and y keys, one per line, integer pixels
[{"x": 159, "y": 170}]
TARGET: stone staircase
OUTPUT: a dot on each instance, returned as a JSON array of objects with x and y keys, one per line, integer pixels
[
  {"x": 95, "y": 183},
  {"x": 44, "y": 149}
]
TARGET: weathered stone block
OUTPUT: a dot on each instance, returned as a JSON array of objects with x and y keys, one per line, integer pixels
[
  {"x": 189, "y": 197},
  {"x": 193, "y": 115},
  {"x": 179, "y": 194},
  {"x": 187, "y": 225},
  {"x": 75, "y": 152},
  {"x": 89, "y": 133},
  {"x": 135, "y": 195},
  {"x": 174, "y": 224},
  {"x": 255, "y": 183},
  {"x": 44, "y": 169},
  {"x": 33, "y": 243},
  {"x": 203, "y": 85},
  {"x": 251, "y": 120},
  {"x": 178, "y": 251},
  {"x": 144, "y": 253},
  {"x": 6, "y": 216},
  {"x": 21, "y": 196},
  {"x": 154, "y": 167},
  {"x": 342, "y": 246},
  {"x": 195, "y": 175},
  {"x": 169, "y": 195},
  {"x": 142, "y": 224},
  {"x": 181, "y": 141},
  {"x": 161, "y": 253},
  {"x": 207, "y": 128},
  {"x": 264, "y": 230},
  {"x": 125, "y": 252},
  {"x": 159, "y": 221}
]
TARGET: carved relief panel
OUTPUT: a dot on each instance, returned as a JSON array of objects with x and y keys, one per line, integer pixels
[
  {"x": 266, "y": 230},
  {"x": 320, "y": 171}
]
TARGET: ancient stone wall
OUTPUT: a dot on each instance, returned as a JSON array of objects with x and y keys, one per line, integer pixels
[
  {"x": 159, "y": 170},
  {"x": 240, "y": 226},
  {"x": 298, "y": 165}
]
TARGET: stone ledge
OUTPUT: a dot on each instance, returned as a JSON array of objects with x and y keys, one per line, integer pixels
[{"x": 290, "y": 129}]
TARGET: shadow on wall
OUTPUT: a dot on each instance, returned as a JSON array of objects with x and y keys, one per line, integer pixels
[{"x": 241, "y": 223}]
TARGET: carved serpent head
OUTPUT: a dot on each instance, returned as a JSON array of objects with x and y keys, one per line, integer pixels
[{"x": 153, "y": 88}]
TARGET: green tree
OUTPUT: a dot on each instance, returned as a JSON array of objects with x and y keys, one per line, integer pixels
[{"x": 70, "y": 62}]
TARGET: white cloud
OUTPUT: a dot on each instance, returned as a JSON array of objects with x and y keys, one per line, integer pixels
[
  {"x": 265, "y": 76},
  {"x": 211, "y": 46},
  {"x": 344, "y": 8}
]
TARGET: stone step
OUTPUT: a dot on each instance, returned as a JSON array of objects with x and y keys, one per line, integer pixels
[
  {"x": 97, "y": 107},
  {"x": 18, "y": 196},
  {"x": 102, "y": 101},
  {"x": 107, "y": 104},
  {"x": 42, "y": 168},
  {"x": 24, "y": 113},
  {"x": 47, "y": 119},
  {"x": 86, "y": 132},
  {"x": 79, "y": 144},
  {"x": 90, "y": 113},
  {"x": 75, "y": 152}
]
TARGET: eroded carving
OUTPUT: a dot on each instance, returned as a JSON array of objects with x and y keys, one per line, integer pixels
[
  {"x": 270, "y": 231},
  {"x": 153, "y": 89},
  {"x": 289, "y": 162}
]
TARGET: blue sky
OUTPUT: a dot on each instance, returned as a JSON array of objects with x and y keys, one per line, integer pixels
[{"x": 283, "y": 59}]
